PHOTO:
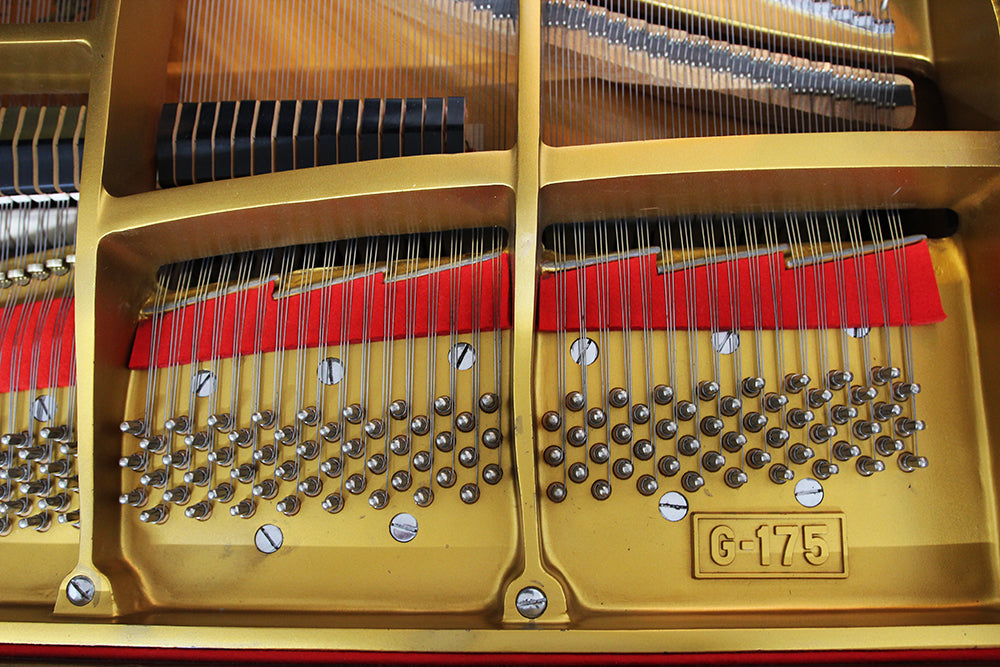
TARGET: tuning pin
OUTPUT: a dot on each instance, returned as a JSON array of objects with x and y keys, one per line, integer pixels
[
  {"x": 68, "y": 483},
  {"x": 7, "y": 490},
  {"x": 551, "y": 421},
  {"x": 155, "y": 515},
  {"x": 488, "y": 402},
  {"x": 353, "y": 448},
  {"x": 198, "y": 476},
  {"x": 798, "y": 418},
  {"x": 266, "y": 455},
  {"x": 685, "y": 410},
  {"x": 443, "y": 405},
  {"x": 222, "y": 456},
  {"x": 799, "y": 453},
  {"x": 491, "y": 438},
  {"x": 643, "y": 450},
  {"x": 556, "y": 492},
  {"x": 289, "y": 505},
  {"x": 623, "y": 468},
  {"x": 241, "y": 437},
  {"x": 446, "y": 477},
  {"x": 153, "y": 444},
  {"x": 401, "y": 480},
  {"x": 330, "y": 431},
  {"x": 839, "y": 379},
  {"x": 886, "y": 411},
  {"x": 757, "y": 458},
  {"x": 374, "y": 428},
  {"x": 713, "y": 461},
  {"x": 68, "y": 449},
  {"x": 333, "y": 503},
  {"x": 469, "y": 493},
  {"x": 902, "y": 391},
  {"x": 666, "y": 429},
  {"x": 356, "y": 483},
  {"x": 200, "y": 511},
  {"x": 735, "y": 478},
  {"x": 376, "y": 463},
  {"x": 821, "y": 433},
  {"x": 57, "y": 503},
  {"x": 819, "y": 397},
  {"x": 134, "y": 427},
  {"x": 688, "y": 445},
  {"x": 311, "y": 486},
  {"x": 596, "y": 418},
  {"x": 465, "y": 422},
  {"x": 622, "y": 434},
  {"x": 40, "y": 522},
  {"x": 198, "y": 441},
  {"x": 177, "y": 424},
  {"x": 135, "y": 497},
  {"x": 18, "y": 506},
  {"x": 154, "y": 478},
  {"x": 420, "y": 425},
  {"x": 263, "y": 418},
  {"x": 468, "y": 457},
  {"x": 332, "y": 467},
  {"x": 223, "y": 493},
  {"x": 730, "y": 406},
  {"x": 662, "y": 394},
  {"x": 35, "y": 453},
  {"x": 576, "y": 436},
  {"x": 887, "y": 446},
  {"x": 668, "y": 466},
  {"x": 492, "y": 473},
  {"x": 308, "y": 416},
  {"x": 178, "y": 459},
  {"x": 845, "y": 451},
  {"x": 285, "y": 435},
  {"x": 244, "y": 473},
  {"x": 867, "y": 466},
  {"x": 752, "y": 386},
  {"x": 733, "y": 442},
  {"x": 6, "y": 525},
  {"x": 908, "y": 462},
  {"x": 72, "y": 518},
  {"x": 779, "y": 473},
  {"x": 843, "y": 414},
  {"x": 54, "y": 432},
  {"x": 423, "y": 496},
  {"x": 220, "y": 421},
  {"x": 244, "y": 509},
  {"x": 884, "y": 375},
  {"x": 578, "y": 472},
  {"x": 399, "y": 445},
  {"x": 692, "y": 481},
  {"x": 287, "y": 470},
  {"x": 398, "y": 409},
  {"x": 444, "y": 441},
  {"x": 640, "y": 413},
  {"x": 21, "y": 473},
  {"x": 35, "y": 487},
  {"x": 861, "y": 395},
  {"x": 646, "y": 485},
  {"x": 600, "y": 489},
  {"x": 178, "y": 495},
  {"x": 906, "y": 427},
  {"x": 422, "y": 461},
  {"x": 14, "y": 439},
  {"x": 353, "y": 413},
  {"x": 864, "y": 429},
  {"x": 796, "y": 382},
  {"x": 575, "y": 401},
  {"x": 823, "y": 469},
  {"x": 775, "y": 402},
  {"x": 618, "y": 397},
  {"x": 708, "y": 390},
  {"x": 754, "y": 421},
  {"x": 308, "y": 450},
  {"x": 712, "y": 426},
  {"x": 776, "y": 437}
]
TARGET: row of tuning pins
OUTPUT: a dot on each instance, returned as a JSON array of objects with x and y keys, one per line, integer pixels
[
  {"x": 37, "y": 271},
  {"x": 885, "y": 427},
  {"x": 374, "y": 428},
  {"x": 37, "y": 487}
]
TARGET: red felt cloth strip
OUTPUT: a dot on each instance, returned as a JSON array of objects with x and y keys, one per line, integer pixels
[
  {"x": 605, "y": 308},
  {"x": 36, "y": 331},
  {"x": 253, "y": 315}
]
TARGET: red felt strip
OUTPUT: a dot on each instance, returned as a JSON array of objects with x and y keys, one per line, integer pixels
[
  {"x": 34, "y": 334},
  {"x": 250, "y": 319},
  {"x": 604, "y": 306}
]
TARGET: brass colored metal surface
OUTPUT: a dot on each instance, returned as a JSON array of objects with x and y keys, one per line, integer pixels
[{"x": 922, "y": 549}]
